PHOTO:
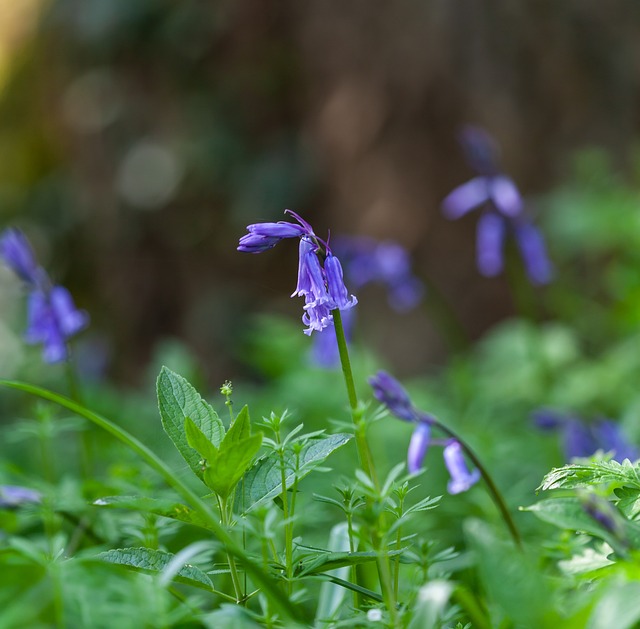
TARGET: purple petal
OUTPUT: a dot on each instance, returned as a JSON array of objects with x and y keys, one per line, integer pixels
[
  {"x": 578, "y": 439},
  {"x": 388, "y": 391},
  {"x": 461, "y": 478},
  {"x": 490, "y": 236},
  {"x": 480, "y": 149},
  {"x": 12, "y": 496},
  {"x": 534, "y": 253},
  {"x": 17, "y": 253},
  {"x": 69, "y": 318},
  {"x": 505, "y": 195},
  {"x": 466, "y": 197},
  {"x": 335, "y": 284},
  {"x": 611, "y": 439},
  {"x": 418, "y": 446}
]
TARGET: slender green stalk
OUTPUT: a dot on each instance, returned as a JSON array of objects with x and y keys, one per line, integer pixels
[
  {"x": 86, "y": 448},
  {"x": 233, "y": 569},
  {"x": 367, "y": 463},
  {"x": 493, "y": 489},
  {"x": 262, "y": 578},
  {"x": 364, "y": 452},
  {"x": 288, "y": 527}
]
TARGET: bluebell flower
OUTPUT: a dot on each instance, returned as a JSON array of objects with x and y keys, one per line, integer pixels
[
  {"x": 321, "y": 284},
  {"x": 367, "y": 260},
  {"x": 418, "y": 446},
  {"x": 581, "y": 439},
  {"x": 12, "y": 496},
  {"x": 263, "y": 236},
  {"x": 461, "y": 478},
  {"x": 388, "y": 391},
  {"x": 52, "y": 318},
  {"x": 503, "y": 211},
  {"x": 16, "y": 251}
]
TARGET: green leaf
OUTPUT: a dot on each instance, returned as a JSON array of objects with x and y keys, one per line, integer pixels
[
  {"x": 263, "y": 481},
  {"x": 164, "y": 508},
  {"x": 231, "y": 463},
  {"x": 177, "y": 400},
  {"x": 240, "y": 429},
  {"x": 628, "y": 501},
  {"x": 511, "y": 579},
  {"x": 155, "y": 561},
  {"x": 326, "y": 561},
  {"x": 569, "y": 513},
  {"x": 199, "y": 442},
  {"x": 592, "y": 473},
  {"x": 619, "y": 607}
]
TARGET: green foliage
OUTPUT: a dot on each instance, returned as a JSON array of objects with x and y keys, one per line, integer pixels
[
  {"x": 155, "y": 562},
  {"x": 177, "y": 401}
]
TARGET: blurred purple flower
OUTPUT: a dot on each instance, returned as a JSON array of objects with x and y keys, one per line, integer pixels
[
  {"x": 367, "y": 260},
  {"x": 12, "y": 496},
  {"x": 388, "y": 391},
  {"x": 581, "y": 439},
  {"x": 418, "y": 446},
  {"x": 461, "y": 478},
  {"x": 322, "y": 286},
  {"x": 16, "y": 251},
  {"x": 503, "y": 211},
  {"x": 52, "y": 318}
]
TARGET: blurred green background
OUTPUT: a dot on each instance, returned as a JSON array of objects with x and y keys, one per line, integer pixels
[{"x": 138, "y": 138}]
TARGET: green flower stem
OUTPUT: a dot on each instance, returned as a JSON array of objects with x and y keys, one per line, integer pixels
[
  {"x": 493, "y": 489},
  {"x": 366, "y": 461},
  {"x": 288, "y": 527},
  {"x": 86, "y": 454},
  {"x": 262, "y": 578},
  {"x": 233, "y": 569},
  {"x": 364, "y": 453}
]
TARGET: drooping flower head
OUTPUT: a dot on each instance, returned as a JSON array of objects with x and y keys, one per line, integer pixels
[
  {"x": 503, "y": 211},
  {"x": 320, "y": 275},
  {"x": 388, "y": 391},
  {"x": 52, "y": 318},
  {"x": 461, "y": 478}
]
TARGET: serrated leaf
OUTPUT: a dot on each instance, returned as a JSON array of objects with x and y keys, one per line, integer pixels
[
  {"x": 592, "y": 473},
  {"x": 155, "y": 561},
  {"x": 569, "y": 513},
  {"x": 628, "y": 501},
  {"x": 263, "y": 481},
  {"x": 164, "y": 508},
  {"x": 240, "y": 428},
  {"x": 231, "y": 463},
  {"x": 177, "y": 400}
]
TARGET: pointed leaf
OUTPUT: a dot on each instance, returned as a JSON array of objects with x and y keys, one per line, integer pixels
[
  {"x": 231, "y": 464},
  {"x": 263, "y": 481},
  {"x": 199, "y": 442},
  {"x": 154, "y": 561},
  {"x": 240, "y": 428},
  {"x": 177, "y": 400}
]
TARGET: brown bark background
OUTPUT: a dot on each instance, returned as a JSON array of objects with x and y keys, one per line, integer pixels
[{"x": 137, "y": 139}]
